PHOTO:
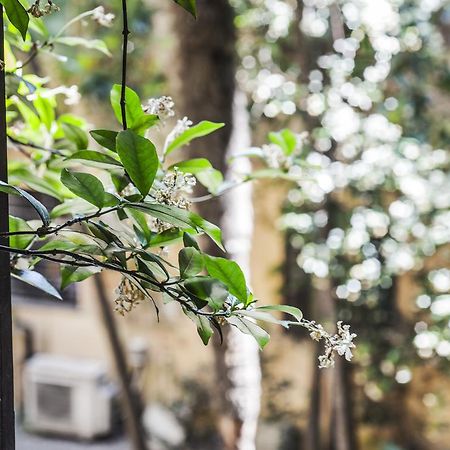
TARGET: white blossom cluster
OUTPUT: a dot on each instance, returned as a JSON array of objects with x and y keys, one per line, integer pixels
[
  {"x": 103, "y": 18},
  {"x": 173, "y": 191},
  {"x": 163, "y": 107},
  {"x": 37, "y": 11},
  {"x": 128, "y": 296},
  {"x": 340, "y": 343}
]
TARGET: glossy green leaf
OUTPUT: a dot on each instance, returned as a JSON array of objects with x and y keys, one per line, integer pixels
[
  {"x": 180, "y": 218},
  {"x": 37, "y": 280},
  {"x": 209, "y": 289},
  {"x": 106, "y": 138},
  {"x": 139, "y": 157},
  {"x": 84, "y": 185},
  {"x": 36, "y": 204},
  {"x": 189, "y": 241},
  {"x": 17, "y": 14},
  {"x": 136, "y": 117},
  {"x": 190, "y": 262},
  {"x": 201, "y": 129},
  {"x": 230, "y": 274}
]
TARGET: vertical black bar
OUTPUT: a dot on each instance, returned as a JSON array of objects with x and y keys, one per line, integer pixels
[{"x": 7, "y": 438}]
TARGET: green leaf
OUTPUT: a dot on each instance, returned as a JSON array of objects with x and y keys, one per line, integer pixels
[
  {"x": 209, "y": 289},
  {"x": 212, "y": 179},
  {"x": 180, "y": 218},
  {"x": 17, "y": 14},
  {"x": 192, "y": 166},
  {"x": 189, "y": 5},
  {"x": 203, "y": 326},
  {"x": 190, "y": 262},
  {"x": 70, "y": 274},
  {"x": 139, "y": 158},
  {"x": 106, "y": 138},
  {"x": 94, "y": 44},
  {"x": 36, "y": 204},
  {"x": 37, "y": 280},
  {"x": 230, "y": 274},
  {"x": 96, "y": 157},
  {"x": 76, "y": 135},
  {"x": 285, "y": 139},
  {"x": 45, "y": 108},
  {"x": 295, "y": 312},
  {"x": 19, "y": 241},
  {"x": 189, "y": 241},
  {"x": 249, "y": 327},
  {"x": 84, "y": 185},
  {"x": 201, "y": 129},
  {"x": 261, "y": 315},
  {"x": 137, "y": 119}
]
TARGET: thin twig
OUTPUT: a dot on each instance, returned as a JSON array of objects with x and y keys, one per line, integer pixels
[{"x": 46, "y": 232}]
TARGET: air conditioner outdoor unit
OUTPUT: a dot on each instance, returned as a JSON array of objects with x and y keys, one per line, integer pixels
[{"x": 67, "y": 396}]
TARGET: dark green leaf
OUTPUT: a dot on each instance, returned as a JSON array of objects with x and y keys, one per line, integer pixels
[
  {"x": 84, "y": 185},
  {"x": 230, "y": 274},
  {"x": 190, "y": 262},
  {"x": 36, "y": 204},
  {"x": 208, "y": 289},
  {"x": 37, "y": 280},
  {"x": 201, "y": 129},
  {"x": 106, "y": 138},
  {"x": 189, "y": 241},
  {"x": 203, "y": 326},
  {"x": 17, "y": 14},
  {"x": 139, "y": 158}
]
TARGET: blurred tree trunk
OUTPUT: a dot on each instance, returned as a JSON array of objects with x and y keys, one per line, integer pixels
[{"x": 206, "y": 87}]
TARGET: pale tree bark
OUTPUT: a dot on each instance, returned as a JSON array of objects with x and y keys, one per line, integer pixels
[{"x": 206, "y": 91}]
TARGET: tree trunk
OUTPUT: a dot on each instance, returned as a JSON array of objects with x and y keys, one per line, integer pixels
[
  {"x": 132, "y": 406},
  {"x": 206, "y": 58},
  {"x": 7, "y": 439}
]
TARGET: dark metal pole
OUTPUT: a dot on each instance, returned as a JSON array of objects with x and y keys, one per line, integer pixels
[{"x": 7, "y": 438}]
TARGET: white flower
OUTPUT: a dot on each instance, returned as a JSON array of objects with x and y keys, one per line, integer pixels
[
  {"x": 345, "y": 343},
  {"x": 181, "y": 126},
  {"x": 101, "y": 17},
  {"x": 163, "y": 107}
]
